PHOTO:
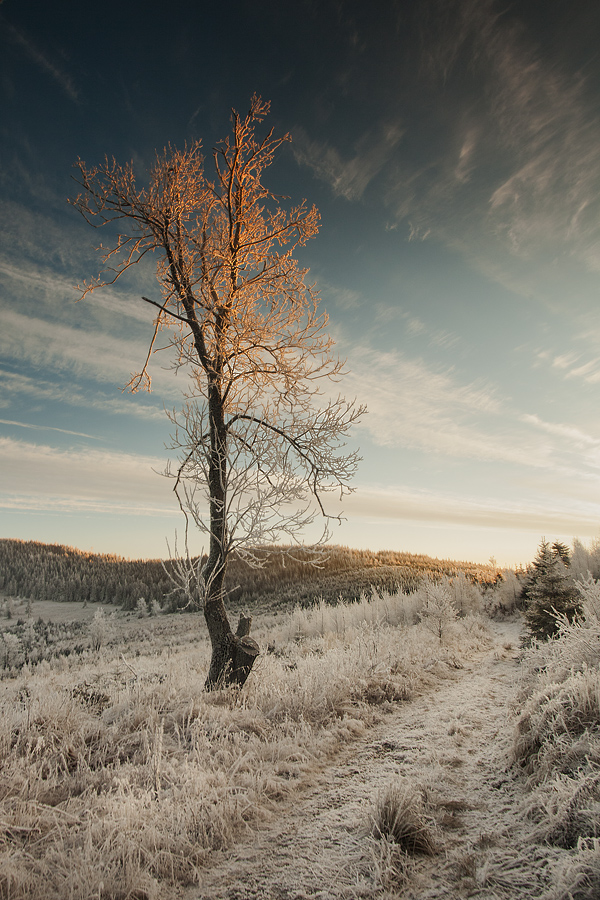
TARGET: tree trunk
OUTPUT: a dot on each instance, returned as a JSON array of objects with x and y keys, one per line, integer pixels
[{"x": 233, "y": 655}]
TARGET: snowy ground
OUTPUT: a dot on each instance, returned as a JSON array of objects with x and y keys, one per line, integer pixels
[{"x": 452, "y": 745}]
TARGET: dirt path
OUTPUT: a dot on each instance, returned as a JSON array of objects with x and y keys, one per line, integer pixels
[{"x": 452, "y": 743}]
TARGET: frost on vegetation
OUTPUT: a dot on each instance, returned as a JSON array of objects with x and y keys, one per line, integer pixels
[
  {"x": 348, "y": 620},
  {"x": 504, "y": 598},
  {"x": 120, "y": 775},
  {"x": 438, "y": 602},
  {"x": 467, "y": 596},
  {"x": 400, "y": 816},
  {"x": 578, "y": 878},
  {"x": 28, "y": 643},
  {"x": 11, "y": 650},
  {"x": 102, "y": 628},
  {"x": 141, "y": 608},
  {"x": 559, "y": 725},
  {"x": 557, "y": 743},
  {"x": 438, "y": 611}
]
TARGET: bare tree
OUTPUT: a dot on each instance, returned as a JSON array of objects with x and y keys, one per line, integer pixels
[{"x": 260, "y": 436}]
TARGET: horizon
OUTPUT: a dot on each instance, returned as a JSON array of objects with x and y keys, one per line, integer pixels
[{"x": 453, "y": 152}]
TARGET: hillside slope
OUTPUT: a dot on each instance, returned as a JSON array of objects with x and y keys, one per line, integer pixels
[{"x": 55, "y": 572}]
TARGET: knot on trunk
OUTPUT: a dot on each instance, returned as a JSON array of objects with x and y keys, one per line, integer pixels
[
  {"x": 245, "y": 650},
  {"x": 233, "y": 656}
]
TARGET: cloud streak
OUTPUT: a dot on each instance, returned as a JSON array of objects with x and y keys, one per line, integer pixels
[
  {"x": 513, "y": 167},
  {"x": 14, "y": 387},
  {"x": 45, "y": 63},
  {"x": 414, "y": 406},
  {"x": 349, "y": 177},
  {"x": 437, "y": 507},
  {"x": 49, "y": 428},
  {"x": 92, "y": 354},
  {"x": 43, "y": 477}
]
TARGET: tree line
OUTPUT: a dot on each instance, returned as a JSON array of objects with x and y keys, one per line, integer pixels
[{"x": 39, "y": 571}]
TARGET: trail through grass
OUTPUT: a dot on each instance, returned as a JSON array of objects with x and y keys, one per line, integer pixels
[{"x": 423, "y": 806}]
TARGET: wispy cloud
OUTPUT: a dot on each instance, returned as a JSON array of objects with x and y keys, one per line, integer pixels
[
  {"x": 343, "y": 298},
  {"x": 49, "y": 428},
  {"x": 416, "y": 327},
  {"x": 349, "y": 177},
  {"x": 15, "y": 386},
  {"x": 438, "y": 507},
  {"x": 514, "y": 171},
  {"x": 86, "y": 353},
  {"x": 43, "y": 477},
  {"x": 572, "y": 365},
  {"x": 44, "y": 61},
  {"x": 86, "y": 505},
  {"x": 34, "y": 278},
  {"x": 415, "y": 406},
  {"x": 572, "y": 443}
]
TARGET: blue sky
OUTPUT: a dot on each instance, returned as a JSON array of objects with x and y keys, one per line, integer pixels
[{"x": 453, "y": 150}]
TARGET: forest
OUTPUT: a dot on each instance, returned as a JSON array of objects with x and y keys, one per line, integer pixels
[{"x": 30, "y": 569}]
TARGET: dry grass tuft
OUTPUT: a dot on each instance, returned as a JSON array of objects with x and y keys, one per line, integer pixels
[
  {"x": 400, "y": 816},
  {"x": 579, "y": 876},
  {"x": 555, "y": 724}
]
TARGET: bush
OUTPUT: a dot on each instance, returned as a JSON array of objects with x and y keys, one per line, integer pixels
[
  {"x": 100, "y": 629},
  {"x": 438, "y": 611},
  {"x": 557, "y": 741}
]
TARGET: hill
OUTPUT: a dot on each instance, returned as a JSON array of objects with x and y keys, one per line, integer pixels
[{"x": 31, "y": 569}]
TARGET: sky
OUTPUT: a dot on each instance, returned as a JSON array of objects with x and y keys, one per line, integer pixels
[{"x": 453, "y": 150}]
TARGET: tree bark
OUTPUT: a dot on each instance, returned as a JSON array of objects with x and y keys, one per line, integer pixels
[{"x": 233, "y": 655}]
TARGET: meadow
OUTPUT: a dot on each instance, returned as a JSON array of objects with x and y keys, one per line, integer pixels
[
  {"x": 120, "y": 775},
  {"x": 122, "y": 779}
]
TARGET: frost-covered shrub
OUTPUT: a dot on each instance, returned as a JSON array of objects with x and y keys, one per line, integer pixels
[
  {"x": 348, "y": 619},
  {"x": 574, "y": 648},
  {"x": 579, "y": 877},
  {"x": 141, "y": 608},
  {"x": 504, "y": 598},
  {"x": 101, "y": 629},
  {"x": 590, "y": 600},
  {"x": 557, "y": 740},
  {"x": 467, "y": 597},
  {"x": 438, "y": 611},
  {"x": 11, "y": 650},
  {"x": 553, "y": 731},
  {"x": 155, "y": 607}
]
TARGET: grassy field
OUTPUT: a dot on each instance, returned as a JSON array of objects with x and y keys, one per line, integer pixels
[
  {"x": 120, "y": 776},
  {"x": 121, "y": 779}
]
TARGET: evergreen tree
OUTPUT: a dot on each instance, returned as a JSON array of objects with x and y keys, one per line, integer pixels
[
  {"x": 561, "y": 550},
  {"x": 549, "y": 593}
]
